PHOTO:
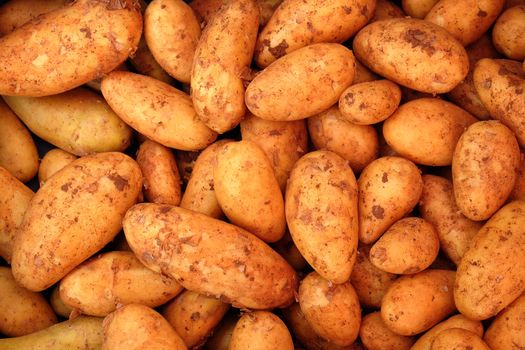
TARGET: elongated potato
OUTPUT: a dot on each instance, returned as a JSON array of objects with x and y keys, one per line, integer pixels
[
  {"x": 261, "y": 330},
  {"x": 376, "y": 336},
  {"x": 321, "y": 211},
  {"x": 314, "y": 75},
  {"x": 508, "y": 28},
  {"x": 484, "y": 168},
  {"x": 76, "y": 213},
  {"x": 52, "y": 162},
  {"x": 209, "y": 256},
  {"x": 58, "y": 305},
  {"x": 507, "y": 331},
  {"x": 389, "y": 188},
  {"x": 491, "y": 274},
  {"x": 15, "y": 13},
  {"x": 78, "y": 121},
  {"x": 418, "y": 8},
  {"x": 414, "y": 53},
  {"x": 458, "y": 339},
  {"x": 79, "y": 47}
]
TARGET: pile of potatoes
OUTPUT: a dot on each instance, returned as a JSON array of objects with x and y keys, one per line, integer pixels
[{"x": 262, "y": 174}]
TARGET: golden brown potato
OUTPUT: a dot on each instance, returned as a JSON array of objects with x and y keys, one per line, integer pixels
[
  {"x": 518, "y": 192},
  {"x": 52, "y": 162},
  {"x": 507, "y": 331},
  {"x": 418, "y": 8},
  {"x": 458, "y": 339},
  {"x": 220, "y": 340},
  {"x": 58, "y": 305},
  {"x": 508, "y": 30},
  {"x": 15, "y": 13},
  {"x": 261, "y": 330},
  {"x": 376, "y": 336},
  {"x": 386, "y": 9},
  {"x": 144, "y": 62}
]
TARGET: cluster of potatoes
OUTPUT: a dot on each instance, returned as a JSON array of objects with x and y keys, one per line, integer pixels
[{"x": 371, "y": 198}]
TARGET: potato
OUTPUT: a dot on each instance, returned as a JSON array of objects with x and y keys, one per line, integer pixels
[
  {"x": 220, "y": 340},
  {"x": 427, "y": 130},
  {"x": 161, "y": 175},
  {"x": 491, "y": 274},
  {"x": 194, "y": 316},
  {"x": 484, "y": 168},
  {"x": 358, "y": 144},
  {"x": 137, "y": 326},
  {"x": 172, "y": 31},
  {"x": 144, "y": 62},
  {"x": 287, "y": 249},
  {"x": 152, "y": 113},
  {"x": 296, "y": 24},
  {"x": 209, "y": 256},
  {"x": 321, "y": 211},
  {"x": 363, "y": 74},
  {"x": 23, "y": 312},
  {"x": 15, "y": 13},
  {"x": 247, "y": 190},
  {"x": 301, "y": 84},
  {"x": 282, "y": 142},
  {"x": 508, "y": 28},
  {"x": 369, "y": 102},
  {"x": 438, "y": 206},
  {"x": 458, "y": 338},
  {"x": 58, "y": 305},
  {"x": 389, "y": 188},
  {"x": 418, "y": 8},
  {"x": 415, "y": 303},
  {"x": 414, "y": 53},
  {"x": 466, "y": 20},
  {"x": 14, "y": 200},
  {"x": 78, "y": 121},
  {"x": 81, "y": 333},
  {"x": 386, "y": 9},
  {"x": 507, "y": 331},
  {"x": 52, "y": 162},
  {"x": 261, "y": 330},
  {"x": 79, "y": 47},
  {"x": 376, "y": 336},
  {"x": 76, "y": 213},
  {"x": 518, "y": 192}
]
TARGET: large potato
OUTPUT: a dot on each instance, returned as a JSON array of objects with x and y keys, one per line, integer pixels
[
  {"x": 76, "y": 213},
  {"x": 491, "y": 274},
  {"x": 376, "y": 336},
  {"x": 261, "y": 330},
  {"x": 414, "y": 53},
  {"x": 209, "y": 256},
  {"x": 507, "y": 331},
  {"x": 321, "y": 211},
  {"x": 508, "y": 30},
  {"x": 79, "y": 47},
  {"x": 484, "y": 168},
  {"x": 458, "y": 339},
  {"x": 418, "y": 8},
  {"x": 301, "y": 84},
  {"x": 15, "y": 13},
  {"x": 53, "y": 161}
]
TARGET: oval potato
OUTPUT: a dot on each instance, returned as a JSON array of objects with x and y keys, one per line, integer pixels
[
  {"x": 458, "y": 339},
  {"x": 52, "y": 162},
  {"x": 261, "y": 330},
  {"x": 509, "y": 27},
  {"x": 376, "y": 336},
  {"x": 507, "y": 331}
]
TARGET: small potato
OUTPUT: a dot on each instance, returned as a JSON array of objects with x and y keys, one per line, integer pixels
[
  {"x": 369, "y": 102},
  {"x": 172, "y": 31},
  {"x": 220, "y": 340},
  {"x": 53, "y": 161},
  {"x": 427, "y": 130},
  {"x": 508, "y": 30},
  {"x": 301, "y": 84},
  {"x": 332, "y": 310},
  {"x": 386, "y": 9},
  {"x": 194, "y": 316},
  {"x": 376, "y": 336},
  {"x": 518, "y": 192},
  {"x": 418, "y": 8},
  {"x": 484, "y": 168},
  {"x": 144, "y": 62},
  {"x": 414, "y": 53},
  {"x": 507, "y": 331},
  {"x": 261, "y": 330},
  {"x": 137, "y": 327},
  {"x": 389, "y": 188},
  {"x": 491, "y": 274},
  {"x": 15, "y": 13},
  {"x": 330, "y": 131},
  {"x": 415, "y": 303},
  {"x": 458, "y": 339},
  {"x": 58, "y": 305}
]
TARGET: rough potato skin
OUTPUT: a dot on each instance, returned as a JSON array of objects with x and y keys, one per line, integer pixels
[
  {"x": 261, "y": 330},
  {"x": 458, "y": 339},
  {"x": 376, "y": 336},
  {"x": 506, "y": 332},
  {"x": 15, "y": 13}
]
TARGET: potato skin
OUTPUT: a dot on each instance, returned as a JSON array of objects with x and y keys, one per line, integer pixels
[
  {"x": 314, "y": 75},
  {"x": 287, "y": 30},
  {"x": 414, "y": 53},
  {"x": 94, "y": 47},
  {"x": 489, "y": 280},
  {"x": 484, "y": 168},
  {"x": 518, "y": 192},
  {"x": 52, "y": 162},
  {"x": 458, "y": 338},
  {"x": 321, "y": 211},
  {"x": 506, "y": 332},
  {"x": 418, "y": 8},
  {"x": 261, "y": 330},
  {"x": 15, "y": 13},
  {"x": 193, "y": 246},
  {"x": 508, "y": 28},
  {"x": 76, "y": 213},
  {"x": 376, "y": 336}
]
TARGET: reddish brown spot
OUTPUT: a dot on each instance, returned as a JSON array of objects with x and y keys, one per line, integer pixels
[
  {"x": 378, "y": 211},
  {"x": 482, "y": 13},
  {"x": 119, "y": 182},
  {"x": 279, "y": 50},
  {"x": 347, "y": 10},
  {"x": 164, "y": 209},
  {"x": 380, "y": 254},
  {"x": 65, "y": 187},
  {"x": 349, "y": 98},
  {"x": 275, "y": 133},
  {"x": 86, "y": 31},
  {"x": 418, "y": 38},
  {"x": 487, "y": 83},
  {"x": 195, "y": 316},
  {"x": 384, "y": 178}
]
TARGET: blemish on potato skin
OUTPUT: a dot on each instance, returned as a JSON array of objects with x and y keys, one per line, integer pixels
[
  {"x": 119, "y": 182},
  {"x": 279, "y": 50},
  {"x": 378, "y": 212}
]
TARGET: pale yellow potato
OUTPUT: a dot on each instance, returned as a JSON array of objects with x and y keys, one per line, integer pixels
[
  {"x": 79, "y": 47},
  {"x": 152, "y": 113},
  {"x": 415, "y": 303},
  {"x": 484, "y": 168},
  {"x": 438, "y": 206},
  {"x": 194, "y": 316},
  {"x": 136, "y": 326},
  {"x": 321, "y": 211},
  {"x": 14, "y": 201},
  {"x": 209, "y": 256},
  {"x": 489, "y": 279},
  {"x": 518, "y": 192},
  {"x": 23, "y": 312},
  {"x": 287, "y": 249},
  {"x": 52, "y": 162},
  {"x": 330, "y": 131},
  {"x": 283, "y": 142},
  {"x": 15, "y": 13},
  {"x": 389, "y": 188},
  {"x": 414, "y": 53},
  {"x": 508, "y": 31},
  {"x": 302, "y": 83},
  {"x": 297, "y": 23},
  {"x": 418, "y": 8},
  {"x": 506, "y": 332},
  {"x": 376, "y": 336},
  {"x": 172, "y": 31},
  {"x": 76, "y": 213},
  {"x": 77, "y": 121},
  {"x": 58, "y": 305},
  {"x": 458, "y": 339},
  {"x": 220, "y": 340},
  {"x": 260, "y": 330},
  {"x": 18, "y": 153},
  {"x": 363, "y": 74},
  {"x": 386, "y": 9},
  {"x": 144, "y": 62},
  {"x": 426, "y": 130}
]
